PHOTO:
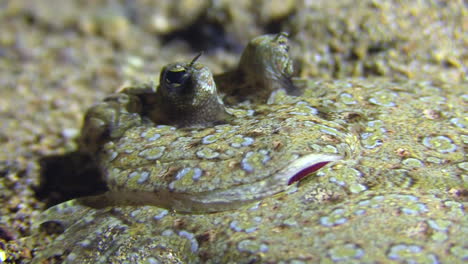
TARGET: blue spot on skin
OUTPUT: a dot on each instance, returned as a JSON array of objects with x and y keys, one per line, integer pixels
[
  {"x": 364, "y": 203},
  {"x": 263, "y": 248},
  {"x": 153, "y": 153},
  {"x": 436, "y": 226},
  {"x": 207, "y": 153},
  {"x": 234, "y": 226},
  {"x": 360, "y": 212},
  {"x": 112, "y": 155},
  {"x": 375, "y": 202},
  {"x": 132, "y": 175},
  {"x": 85, "y": 243},
  {"x": 155, "y": 137},
  {"x": 409, "y": 254},
  {"x": 197, "y": 173},
  {"x": 335, "y": 218},
  {"x": 374, "y": 123},
  {"x": 150, "y": 137},
  {"x": 166, "y": 127},
  {"x": 347, "y": 98},
  {"x": 338, "y": 211},
  {"x": 366, "y": 135},
  {"x": 167, "y": 232},
  {"x": 384, "y": 99},
  {"x": 129, "y": 151},
  {"x": 135, "y": 213},
  {"x": 407, "y": 197},
  {"x": 245, "y": 164},
  {"x": 341, "y": 221},
  {"x": 182, "y": 173},
  {"x": 247, "y": 141},
  {"x": 328, "y": 130},
  {"x": 308, "y": 123},
  {"x": 410, "y": 248},
  {"x": 72, "y": 257},
  {"x": 250, "y": 230},
  {"x": 245, "y": 161},
  {"x": 159, "y": 216},
  {"x": 334, "y": 180},
  {"x": 143, "y": 177},
  {"x": 352, "y": 252},
  {"x": 375, "y": 143},
  {"x": 459, "y": 122},
  {"x": 304, "y": 109},
  {"x": 421, "y": 208},
  {"x": 378, "y": 198},
  {"x": 152, "y": 260},
  {"x": 326, "y": 221},
  {"x": 209, "y": 139},
  {"x": 265, "y": 155},
  {"x": 442, "y": 144},
  {"x": 191, "y": 238},
  {"x": 255, "y": 207}
]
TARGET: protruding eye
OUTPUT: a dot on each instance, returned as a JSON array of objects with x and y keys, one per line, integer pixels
[
  {"x": 282, "y": 38},
  {"x": 176, "y": 76}
]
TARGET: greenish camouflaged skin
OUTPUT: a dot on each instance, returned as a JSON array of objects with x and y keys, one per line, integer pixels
[
  {"x": 264, "y": 67},
  {"x": 178, "y": 147},
  {"x": 398, "y": 194}
]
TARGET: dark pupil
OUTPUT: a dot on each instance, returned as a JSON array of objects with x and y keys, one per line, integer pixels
[{"x": 176, "y": 76}]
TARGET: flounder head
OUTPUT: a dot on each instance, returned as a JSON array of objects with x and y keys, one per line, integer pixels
[{"x": 186, "y": 96}]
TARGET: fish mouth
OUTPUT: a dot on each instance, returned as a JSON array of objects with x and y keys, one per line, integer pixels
[
  {"x": 221, "y": 199},
  {"x": 304, "y": 166},
  {"x": 227, "y": 199}
]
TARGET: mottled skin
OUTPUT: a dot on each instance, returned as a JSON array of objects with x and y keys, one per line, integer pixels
[
  {"x": 264, "y": 67},
  {"x": 398, "y": 194},
  {"x": 178, "y": 147},
  {"x": 186, "y": 97}
]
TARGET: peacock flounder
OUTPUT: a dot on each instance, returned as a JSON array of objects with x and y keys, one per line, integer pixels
[
  {"x": 178, "y": 147},
  {"x": 188, "y": 190}
]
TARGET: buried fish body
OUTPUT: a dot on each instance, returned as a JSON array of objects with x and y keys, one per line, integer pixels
[
  {"x": 235, "y": 190},
  {"x": 177, "y": 146}
]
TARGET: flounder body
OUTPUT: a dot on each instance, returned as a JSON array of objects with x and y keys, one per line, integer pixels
[
  {"x": 188, "y": 193},
  {"x": 178, "y": 146},
  {"x": 255, "y": 155}
]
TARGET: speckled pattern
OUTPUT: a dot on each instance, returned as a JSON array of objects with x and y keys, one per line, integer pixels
[
  {"x": 396, "y": 194},
  {"x": 179, "y": 142},
  {"x": 57, "y": 62},
  {"x": 264, "y": 67}
]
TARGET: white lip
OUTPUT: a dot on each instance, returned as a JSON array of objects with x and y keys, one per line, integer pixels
[
  {"x": 266, "y": 187},
  {"x": 221, "y": 199},
  {"x": 302, "y": 164}
]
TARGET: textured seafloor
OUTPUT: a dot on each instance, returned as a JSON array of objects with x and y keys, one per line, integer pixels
[{"x": 59, "y": 57}]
